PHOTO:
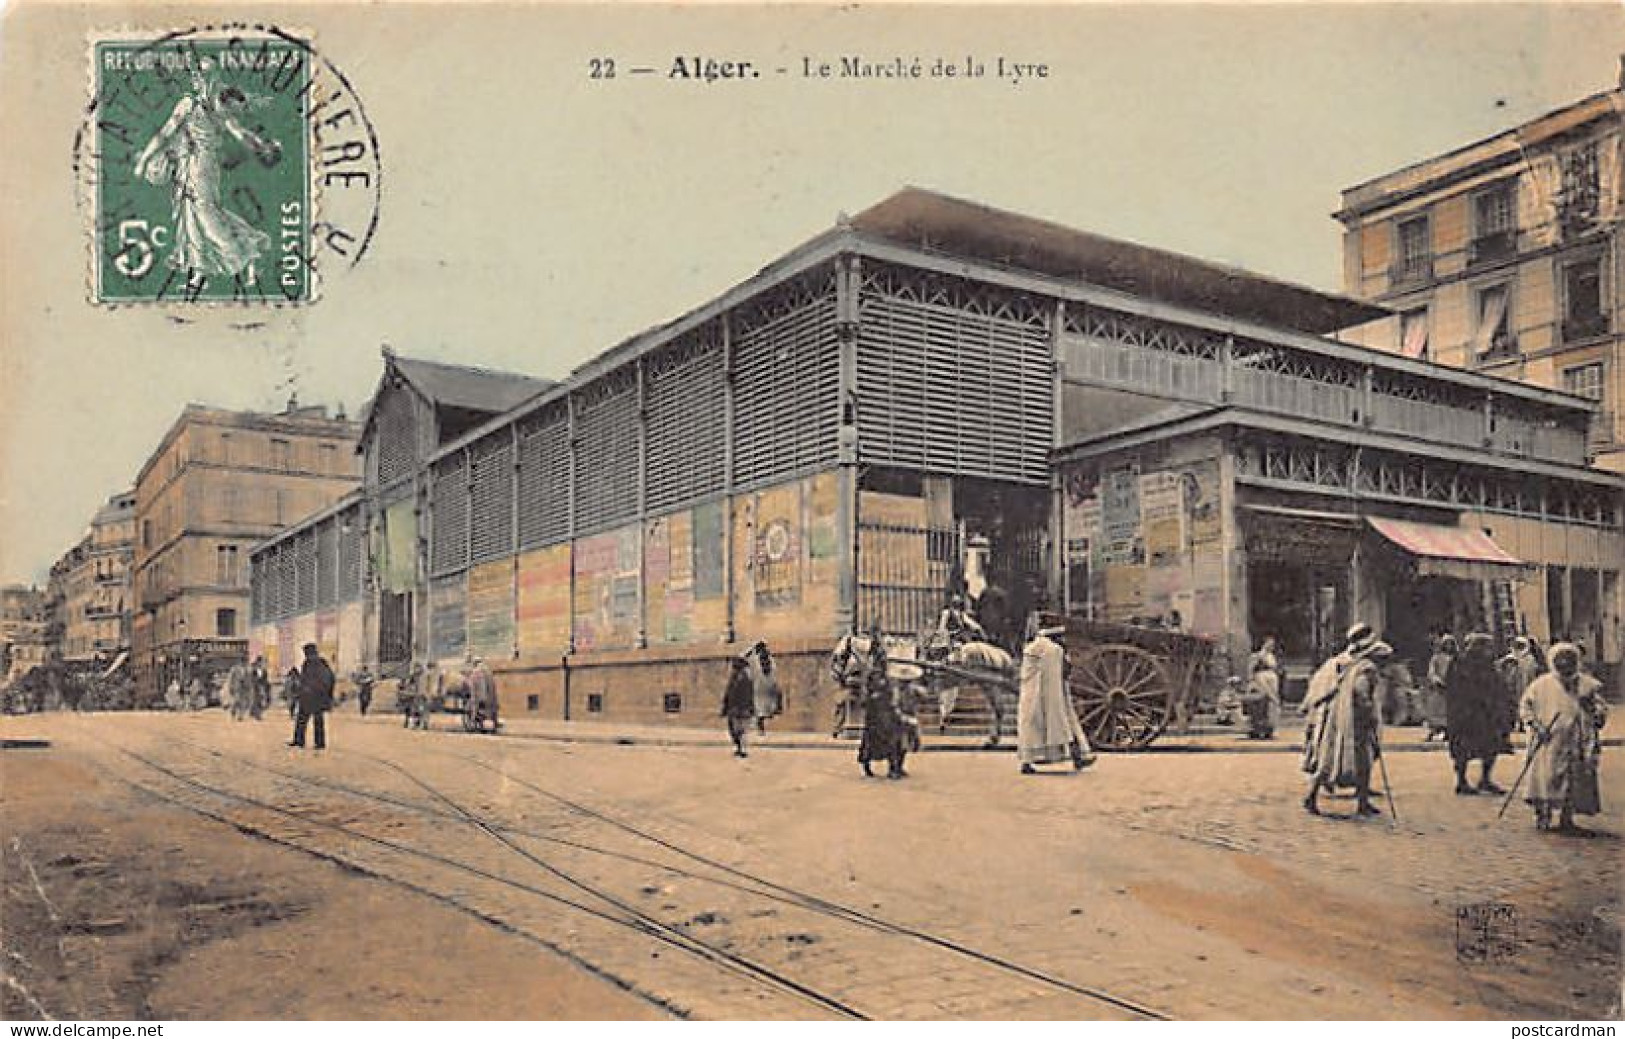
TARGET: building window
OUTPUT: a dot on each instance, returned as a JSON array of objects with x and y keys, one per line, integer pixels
[
  {"x": 673, "y": 703},
  {"x": 281, "y": 454},
  {"x": 1493, "y": 339},
  {"x": 225, "y": 624},
  {"x": 146, "y": 533},
  {"x": 595, "y": 703},
  {"x": 1415, "y": 251},
  {"x": 330, "y": 455},
  {"x": 1583, "y": 314},
  {"x": 1495, "y": 222},
  {"x": 1413, "y": 334},
  {"x": 225, "y": 448},
  {"x": 1578, "y": 205},
  {"x": 533, "y": 702},
  {"x": 225, "y": 566},
  {"x": 1584, "y": 381}
]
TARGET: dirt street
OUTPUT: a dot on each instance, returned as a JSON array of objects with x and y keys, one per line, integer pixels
[{"x": 190, "y": 867}]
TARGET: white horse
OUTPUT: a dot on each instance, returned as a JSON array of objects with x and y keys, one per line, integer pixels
[{"x": 974, "y": 657}]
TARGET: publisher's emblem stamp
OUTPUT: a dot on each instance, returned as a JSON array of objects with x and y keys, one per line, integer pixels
[
  {"x": 1486, "y": 932},
  {"x": 203, "y": 188}
]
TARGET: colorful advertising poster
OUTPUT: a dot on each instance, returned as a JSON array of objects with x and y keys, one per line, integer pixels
[
  {"x": 490, "y": 610},
  {"x": 1162, "y": 518},
  {"x": 709, "y": 520},
  {"x": 606, "y": 589},
  {"x": 656, "y": 575},
  {"x": 544, "y": 600},
  {"x": 1120, "y": 517},
  {"x": 1125, "y": 592},
  {"x": 679, "y": 611},
  {"x": 1199, "y": 493},
  {"x": 823, "y": 517},
  {"x": 778, "y": 547},
  {"x": 448, "y": 617}
]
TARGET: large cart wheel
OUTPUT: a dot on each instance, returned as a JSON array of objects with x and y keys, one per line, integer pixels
[{"x": 1122, "y": 694}]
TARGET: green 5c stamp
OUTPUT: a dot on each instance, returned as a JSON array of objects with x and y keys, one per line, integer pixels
[{"x": 208, "y": 152}]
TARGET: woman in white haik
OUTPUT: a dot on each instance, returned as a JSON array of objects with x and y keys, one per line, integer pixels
[{"x": 209, "y": 238}]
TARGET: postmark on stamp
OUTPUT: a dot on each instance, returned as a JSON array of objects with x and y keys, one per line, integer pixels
[{"x": 228, "y": 164}]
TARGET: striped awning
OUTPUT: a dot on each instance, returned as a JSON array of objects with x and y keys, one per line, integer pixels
[{"x": 1466, "y": 553}]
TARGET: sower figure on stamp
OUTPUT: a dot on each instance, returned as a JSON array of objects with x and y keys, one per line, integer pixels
[
  {"x": 315, "y": 697},
  {"x": 739, "y": 703},
  {"x": 1348, "y": 736},
  {"x": 186, "y": 152},
  {"x": 1476, "y": 717},
  {"x": 1564, "y": 713}
]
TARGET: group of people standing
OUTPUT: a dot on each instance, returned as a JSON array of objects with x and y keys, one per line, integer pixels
[
  {"x": 1484, "y": 700},
  {"x": 886, "y": 691}
]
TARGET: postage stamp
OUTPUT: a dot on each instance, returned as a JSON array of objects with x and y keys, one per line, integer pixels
[
  {"x": 1486, "y": 932},
  {"x": 221, "y": 163}
]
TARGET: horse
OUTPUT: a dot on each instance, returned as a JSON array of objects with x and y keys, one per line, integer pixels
[{"x": 974, "y": 656}]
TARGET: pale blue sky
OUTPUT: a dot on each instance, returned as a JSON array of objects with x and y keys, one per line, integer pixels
[{"x": 532, "y": 217}]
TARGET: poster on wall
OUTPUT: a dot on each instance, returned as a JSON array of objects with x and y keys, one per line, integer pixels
[
  {"x": 544, "y": 600},
  {"x": 606, "y": 589},
  {"x": 1162, "y": 518},
  {"x": 490, "y": 609},
  {"x": 1199, "y": 494},
  {"x": 1120, "y": 517},
  {"x": 778, "y": 547},
  {"x": 708, "y": 550},
  {"x": 448, "y": 617},
  {"x": 656, "y": 574},
  {"x": 679, "y": 598},
  {"x": 823, "y": 528}
]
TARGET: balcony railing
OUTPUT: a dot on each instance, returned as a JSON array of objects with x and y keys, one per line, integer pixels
[
  {"x": 1502, "y": 348},
  {"x": 1497, "y": 245}
]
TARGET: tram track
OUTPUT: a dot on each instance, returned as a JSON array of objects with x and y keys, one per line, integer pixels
[
  {"x": 715, "y": 872},
  {"x": 633, "y": 921}
]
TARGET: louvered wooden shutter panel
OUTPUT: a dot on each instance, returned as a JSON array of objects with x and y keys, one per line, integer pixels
[
  {"x": 786, "y": 380},
  {"x": 327, "y": 564},
  {"x": 351, "y": 533},
  {"x": 492, "y": 458},
  {"x": 544, "y": 473},
  {"x": 449, "y": 537},
  {"x": 305, "y": 572},
  {"x": 685, "y": 390},
  {"x": 396, "y": 433},
  {"x": 953, "y": 377},
  {"x": 607, "y": 456}
]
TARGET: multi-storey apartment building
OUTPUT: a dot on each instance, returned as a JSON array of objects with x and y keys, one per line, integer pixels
[
  {"x": 24, "y": 614},
  {"x": 219, "y": 483},
  {"x": 91, "y": 604},
  {"x": 1504, "y": 256}
]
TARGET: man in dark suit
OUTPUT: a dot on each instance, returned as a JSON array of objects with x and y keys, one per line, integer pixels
[{"x": 315, "y": 697}]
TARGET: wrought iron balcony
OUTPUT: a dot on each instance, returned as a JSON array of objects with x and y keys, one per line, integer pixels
[{"x": 1413, "y": 270}]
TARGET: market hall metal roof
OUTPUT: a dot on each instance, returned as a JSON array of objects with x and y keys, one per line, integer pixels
[
  {"x": 934, "y": 222},
  {"x": 474, "y": 389}
]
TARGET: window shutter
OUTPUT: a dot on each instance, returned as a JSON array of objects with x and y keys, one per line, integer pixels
[
  {"x": 544, "y": 471},
  {"x": 449, "y": 536},
  {"x": 492, "y": 458},
  {"x": 786, "y": 380},
  {"x": 685, "y": 396}
]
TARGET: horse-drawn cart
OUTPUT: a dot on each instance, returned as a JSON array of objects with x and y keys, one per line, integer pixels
[{"x": 1127, "y": 682}]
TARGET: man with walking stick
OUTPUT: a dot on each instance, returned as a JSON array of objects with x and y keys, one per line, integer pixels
[{"x": 1565, "y": 714}]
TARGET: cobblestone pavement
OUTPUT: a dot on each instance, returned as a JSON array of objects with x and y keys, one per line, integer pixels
[{"x": 787, "y": 886}]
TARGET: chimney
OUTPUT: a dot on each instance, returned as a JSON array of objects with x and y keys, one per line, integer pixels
[{"x": 293, "y": 403}]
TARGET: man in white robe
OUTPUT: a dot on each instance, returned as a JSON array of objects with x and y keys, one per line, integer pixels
[
  {"x": 1564, "y": 713},
  {"x": 1047, "y": 727}
]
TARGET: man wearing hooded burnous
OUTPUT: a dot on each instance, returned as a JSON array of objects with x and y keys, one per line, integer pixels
[
  {"x": 210, "y": 240},
  {"x": 1564, "y": 713}
]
